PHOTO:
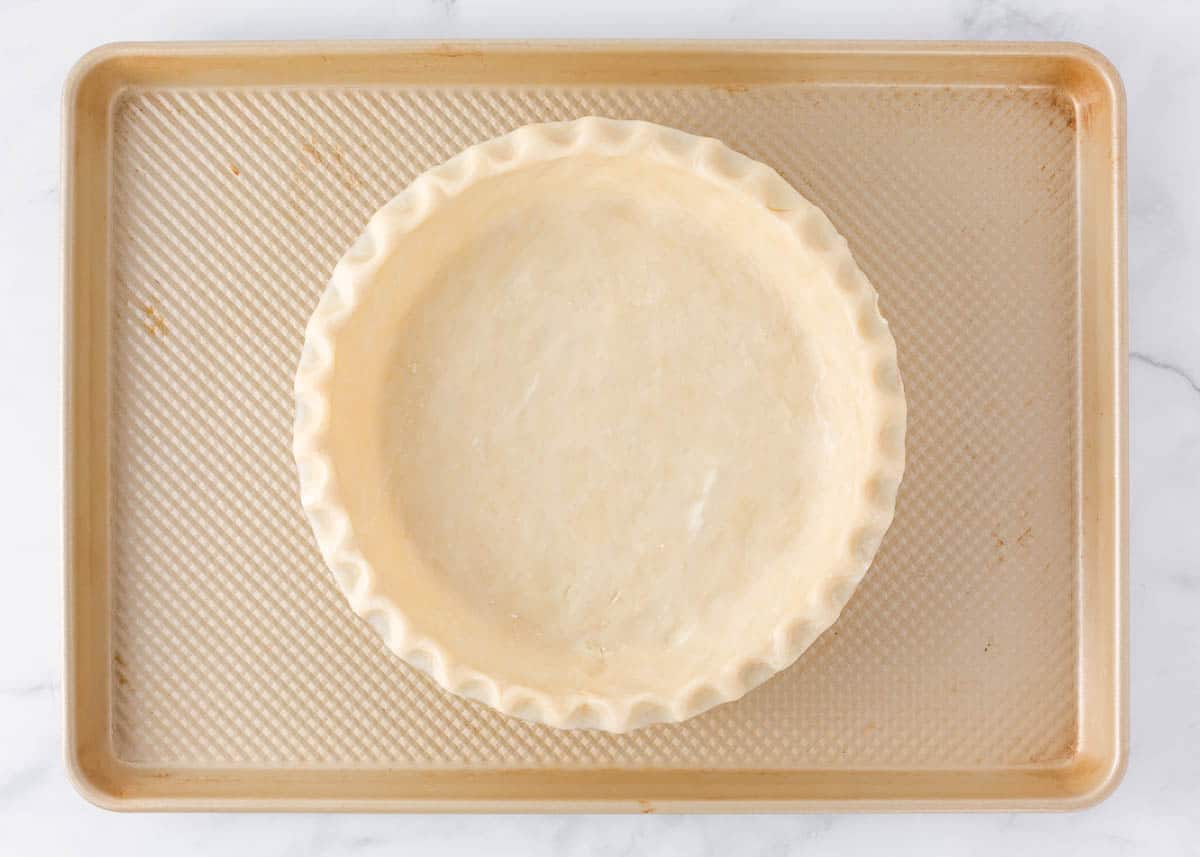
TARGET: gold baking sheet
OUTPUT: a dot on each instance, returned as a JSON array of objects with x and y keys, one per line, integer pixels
[{"x": 211, "y": 661}]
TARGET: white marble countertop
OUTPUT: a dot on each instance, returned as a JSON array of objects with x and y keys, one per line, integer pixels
[{"x": 1155, "y": 811}]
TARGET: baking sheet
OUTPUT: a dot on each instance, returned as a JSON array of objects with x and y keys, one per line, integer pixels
[{"x": 212, "y": 661}]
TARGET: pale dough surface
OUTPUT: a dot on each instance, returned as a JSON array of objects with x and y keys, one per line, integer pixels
[{"x": 606, "y": 427}]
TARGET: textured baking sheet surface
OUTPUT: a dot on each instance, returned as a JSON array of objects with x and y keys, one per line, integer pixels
[{"x": 231, "y": 645}]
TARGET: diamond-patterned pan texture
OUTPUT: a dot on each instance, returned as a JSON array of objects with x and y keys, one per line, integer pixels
[{"x": 231, "y": 644}]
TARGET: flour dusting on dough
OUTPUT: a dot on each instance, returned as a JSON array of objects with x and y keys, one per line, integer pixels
[
  {"x": 530, "y": 390},
  {"x": 696, "y": 515}
]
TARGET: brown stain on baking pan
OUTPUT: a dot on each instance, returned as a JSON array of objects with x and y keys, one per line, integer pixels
[
  {"x": 152, "y": 321},
  {"x": 333, "y": 161},
  {"x": 310, "y": 148},
  {"x": 119, "y": 671}
]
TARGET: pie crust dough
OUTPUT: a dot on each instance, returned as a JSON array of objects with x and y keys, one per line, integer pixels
[{"x": 598, "y": 423}]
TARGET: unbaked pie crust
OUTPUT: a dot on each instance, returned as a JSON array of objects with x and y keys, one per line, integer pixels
[{"x": 598, "y": 423}]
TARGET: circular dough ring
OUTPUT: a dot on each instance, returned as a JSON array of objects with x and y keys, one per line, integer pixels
[{"x": 529, "y": 145}]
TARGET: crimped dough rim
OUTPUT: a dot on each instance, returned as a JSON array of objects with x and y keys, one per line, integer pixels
[{"x": 354, "y": 273}]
